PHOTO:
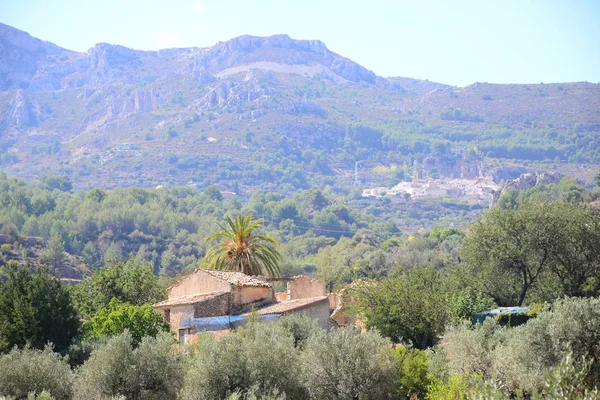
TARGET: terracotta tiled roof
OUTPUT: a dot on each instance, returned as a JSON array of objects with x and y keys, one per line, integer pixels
[
  {"x": 288, "y": 305},
  {"x": 238, "y": 278},
  {"x": 189, "y": 299}
]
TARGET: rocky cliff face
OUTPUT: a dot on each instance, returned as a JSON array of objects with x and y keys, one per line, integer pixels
[
  {"x": 24, "y": 112},
  {"x": 527, "y": 181}
]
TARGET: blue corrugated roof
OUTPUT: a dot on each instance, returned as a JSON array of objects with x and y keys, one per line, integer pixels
[{"x": 220, "y": 323}]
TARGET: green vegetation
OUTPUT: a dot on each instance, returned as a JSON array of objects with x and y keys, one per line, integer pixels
[
  {"x": 139, "y": 321},
  {"x": 555, "y": 354},
  {"x": 415, "y": 295},
  {"x": 241, "y": 249},
  {"x": 35, "y": 309},
  {"x": 410, "y": 308},
  {"x": 30, "y": 371},
  {"x": 127, "y": 282},
  {"x": 544, "y": 248}
]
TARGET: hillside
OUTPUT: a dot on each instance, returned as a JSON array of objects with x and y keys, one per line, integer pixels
[{"x": 270, "y": 113}]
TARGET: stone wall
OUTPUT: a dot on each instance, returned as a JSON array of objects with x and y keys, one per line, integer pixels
[
  {"x": 302, "y": 287},
  {"x": 213, "y": 306}
]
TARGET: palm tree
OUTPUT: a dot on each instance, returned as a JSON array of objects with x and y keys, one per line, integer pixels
[{"x": 243, "y": 250}]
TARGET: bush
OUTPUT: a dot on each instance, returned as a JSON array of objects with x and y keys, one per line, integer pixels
[
  {"x": 463, "y": 304},
  {"x": 566, "y": 381},
  {"x": 253, "y": 395},
  {"x": 456, "y": 388},
  {"x": 34, "y": 371},
  {"x": 300, "y": 327},
  {"x": 469, "y": 348},
  {"x": 218, "y": 369},
  {"x": 531, "y": 350},
  {"x": 413, "y": 372},
  {"x": 35, "y": 309},
  {"x": 254, "y": 360},
  {"x": 521, "y": 359},
  {"x": 151, "y": 371},
  {"x": 348, "y": 365}
]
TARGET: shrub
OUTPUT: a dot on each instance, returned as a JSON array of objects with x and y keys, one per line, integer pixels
[
  {"x": 566, "y": 381},
  {"x": 469, "y": 348},
  {"x": 253, "y": 395},
  {"x": 34, "y": 371},
  {"x": 300, "y": 327},
  {"x": 35, "y": 309},
  {"x": 413, "y": 372},
  {"x": 521, "y": 359},
  {"x": 151, "y": 371},
  {"x": 531, "y": 350},
  {"x": 348, "y": 365},
  {"x": 456, "y": 388},
  {"x": 463, "y": 304},
  {"x": 218, "y": 369},
  {"x": 254, "y": 360}
]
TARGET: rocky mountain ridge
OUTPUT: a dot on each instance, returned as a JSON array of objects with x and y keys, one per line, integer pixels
[
  {"x": 35, "y": 65},
  {"x": 117, "y": 116}
]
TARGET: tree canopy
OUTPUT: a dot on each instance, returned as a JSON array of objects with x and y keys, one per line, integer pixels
[
  {"x": 140, "y": 321},
  {"x": 536, "y": 250},
  {"x": 35, "y": 309},
  {"x": 242, "y": 249},
  {"x": 126, "y": 281}
]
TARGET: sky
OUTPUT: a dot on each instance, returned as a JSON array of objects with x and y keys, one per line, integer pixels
[{"x": 456, "y": 42}]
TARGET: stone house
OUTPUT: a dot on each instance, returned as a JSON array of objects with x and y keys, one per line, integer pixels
[{"x": 209, "y": 300}]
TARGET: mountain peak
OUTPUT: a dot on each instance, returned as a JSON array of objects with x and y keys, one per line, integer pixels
[
  {"x": 277, "y": 50},
  {"x": 25, "y": 41},
  {"x": 249, "y": 42}
]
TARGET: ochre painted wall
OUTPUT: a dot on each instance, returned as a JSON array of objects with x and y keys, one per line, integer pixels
[{"x": 197, "y": 283}]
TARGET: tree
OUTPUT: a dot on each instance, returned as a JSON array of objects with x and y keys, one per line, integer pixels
[
  {"x": 535, "y": 249},
  {"x": 140, "y": 321},
  {"x": 54, "y": 253},
  {"x": 410, "y": 308},
  {"x": 241, "y": 249},
  {"x": 239, "y": 362},
  {"x": 574, "y": 252},
  {"x": 503, "y": 255},
  {"x": 50, "y": 182},
  {"x": 129, "y": 282},
  {"x": 35, "y": 309},
  {"x": 213, "y": 193}
]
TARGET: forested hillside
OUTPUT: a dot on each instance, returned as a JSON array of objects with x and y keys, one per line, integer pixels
[{"x": 339, "y": 238}]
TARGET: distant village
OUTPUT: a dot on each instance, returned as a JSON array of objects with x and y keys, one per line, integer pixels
[{"x": 477, "y": 190}]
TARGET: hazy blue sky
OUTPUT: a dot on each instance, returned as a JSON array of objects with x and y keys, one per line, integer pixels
[{"x": 449, "y": 41}]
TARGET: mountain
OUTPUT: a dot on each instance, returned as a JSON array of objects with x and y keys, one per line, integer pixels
[{"x": 271, "y": 113}]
